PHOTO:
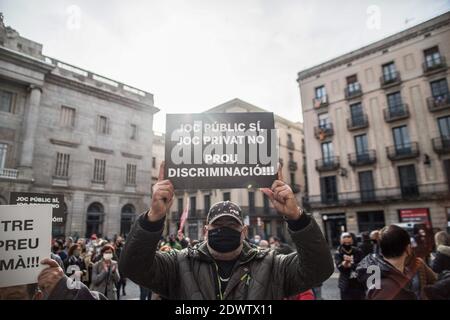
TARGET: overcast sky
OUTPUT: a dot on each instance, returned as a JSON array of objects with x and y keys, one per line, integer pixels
[{"x": 196, "y": 54}]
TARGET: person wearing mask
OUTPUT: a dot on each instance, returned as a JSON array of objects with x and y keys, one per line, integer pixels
[
  {"x": 422, "y": 249},
  {"x": 105, "y": 273},
  {"x": 225, "y": 266},
  {"x": 118, "y": 245},
  {"x": 402, "y": 276},
  {"x": 74, "y": 262},
  {"x": 264, "y": 244},
  {"x": 278, "y": 246},
  {"x": 366, "y": 245},
  {"x": 256, "y": 240},
  {"x": 441, "y": 261},
  {"x": 347, "y": 258},
  {"x": 52, "y": 284}
]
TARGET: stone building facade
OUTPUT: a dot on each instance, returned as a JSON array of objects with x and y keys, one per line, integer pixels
[{"x": 69, "y": 131}]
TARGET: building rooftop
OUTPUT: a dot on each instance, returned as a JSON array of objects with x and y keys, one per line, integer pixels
[{"x": 383, "y": 44}]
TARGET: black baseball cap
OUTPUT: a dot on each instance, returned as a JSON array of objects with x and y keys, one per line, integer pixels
[{"x": 225, "y": 209}]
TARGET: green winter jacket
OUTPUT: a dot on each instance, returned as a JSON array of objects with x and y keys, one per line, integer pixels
[{"x": 259, "y": 273}]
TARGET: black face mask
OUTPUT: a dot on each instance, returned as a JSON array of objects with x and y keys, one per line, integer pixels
[
  {"x": 346, "y": 247},
  {"x": 224, "y": 239}
]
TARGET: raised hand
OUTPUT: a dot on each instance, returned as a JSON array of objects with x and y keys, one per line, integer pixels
[
  {"x": 282, "y": 198},
  {"x": 163, "y": 195}
]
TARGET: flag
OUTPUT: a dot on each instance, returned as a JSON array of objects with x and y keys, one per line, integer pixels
[{"x": 184, "y": 216}]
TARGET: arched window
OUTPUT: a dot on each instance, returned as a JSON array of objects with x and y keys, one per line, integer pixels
[
  {"x": 94, "y": 219},
  {"x": 127, "y": 219}
]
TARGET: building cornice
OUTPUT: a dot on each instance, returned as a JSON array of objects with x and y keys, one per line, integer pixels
[
  {"x": 24, "y": 60},
  {"x": 408, "y": 34}
]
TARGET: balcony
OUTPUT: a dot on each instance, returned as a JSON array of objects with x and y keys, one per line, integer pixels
[
  {"x": 441, "y": 145},
  {"x": 320, "y": 103},
  {"x": 290, "y": 145},
  {"x": 397, "y": 112},
  {"x": 433, "y": 65},
  {"x": 323, "y": 131},
  {"x": 355, "y": 123},
  {"x": 438, "y": 103},
  {"x": 435, "y": 191},
  {"x": 8, "y": 173},
  {"x": 353, "y": 90},
  {"x": 390, "y": 79},
  {"x": 327, "y": 164},
  {"x": 362, "y": 159},
  {"x": 292, "y": 165},
  {"x": 405, "y": 151}
]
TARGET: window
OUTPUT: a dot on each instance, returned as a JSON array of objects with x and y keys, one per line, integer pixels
[
  {"x": 366, "y": 186},
  {"x": 3, "y": 150},
  {"x": 439, "y": 88},
  {"x": 226, "y": 196},
  {"x": 153, "y": 162},
  {"x": 99, "y": 170},
  {"x": 432, "y": 57},
  {"x": 327, "y": 151},
  {"x": 401, "y": 139},
  {"x": 291, "y": 156},
  {"x": 193, "y": 205},
  {"x": 324, "y": 121},
  {"x": 389, "y": 72},
  {"x": 6, "y": 101},
  {"x": 444, "y": 126},
  {"x": 126, "y": 219},
  {"x": 361, "y": 145},
  {"x": 102, "y": 125},
  {"x": 207, "y": 201},
  {"x": 408, "y": 181},
  {"x": 394, "y": 100},
  {"x": 328, "y": 189},
  {"x": 321, "y": 94},
  {"x": 292, "y": 178},
  {"x": 352, "y": 84},
  {"x": 133, "y": 135},
  {"x": 62, "y": 165},
  {"x": 289, "y": 137},
  {"x": 94, "y": 220},
  {"x": 131, "y": 174},
  {"x": 356, "y": 112},
  {"x": 67, "y": 117},
  {"x": 370, "y": 220},
  {"x": 251, "y": 202}
]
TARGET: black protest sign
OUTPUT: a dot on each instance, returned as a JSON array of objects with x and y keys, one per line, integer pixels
[
  {"x": 221, "y": 150},
  {"x": 56, "y": 200}
]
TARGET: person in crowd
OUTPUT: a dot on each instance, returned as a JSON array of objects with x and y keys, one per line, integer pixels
[
  {"x": 264, "y": 244},
  {"x": 118, "y": 245},
  {"x": 256, "y": 239},
  {"x": 61, "y": 252},
  {"x": 440, "y": 290},
  {"x": 366, "y": 245},
  {"x": 347, "y": 258},
  {"x": 52, "y": 284},
  {"x": 225, "y": 266},
  {"x": 374, "y": 238},
  {"x": 423, "y": 248},
  {"x": 173, "y": 243},
  {"x": 279, "y": 246},
  {"x": 105, "y": 273},
  {"x": 441, "y": 261},
  {"x": 182, "y": 240},
  {"x": 75, "y": 263},
  {"x": 402, "y": 276}
]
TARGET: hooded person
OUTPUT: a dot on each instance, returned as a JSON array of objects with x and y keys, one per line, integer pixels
[
  {"x": 441, "y": 261},
  {"x": 224, "y": 265}
]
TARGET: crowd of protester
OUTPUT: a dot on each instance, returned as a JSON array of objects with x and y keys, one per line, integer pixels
[{"x": 411, "y": 266}]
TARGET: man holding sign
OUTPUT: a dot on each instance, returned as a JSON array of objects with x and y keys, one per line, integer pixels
[{"x": 225, "y": 266}]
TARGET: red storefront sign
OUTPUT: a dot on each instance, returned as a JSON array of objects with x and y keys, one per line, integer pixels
[{"x": 417, "y": 215}]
